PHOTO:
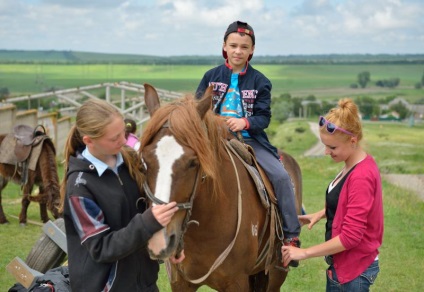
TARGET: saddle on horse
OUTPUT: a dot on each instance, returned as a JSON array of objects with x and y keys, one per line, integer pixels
[
  {"x": 26, "y": 138},
  {"x": 22, "y": 148},
  {"x": 246, "y": 154}
]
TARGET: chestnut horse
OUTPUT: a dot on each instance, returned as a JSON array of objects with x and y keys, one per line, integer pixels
[
  {"x": 222, "y": 224},
  {"x": 45, "y": 176}
]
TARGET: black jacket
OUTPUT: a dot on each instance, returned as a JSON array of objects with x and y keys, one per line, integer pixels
[
  {"x": 106, "y": 232},
  {"x": 255, "y": 92}
]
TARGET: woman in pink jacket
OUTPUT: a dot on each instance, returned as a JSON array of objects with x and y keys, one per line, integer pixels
[{"x": 353, "y": 207}]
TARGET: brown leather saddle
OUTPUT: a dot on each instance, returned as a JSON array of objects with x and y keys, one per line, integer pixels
[
  {"x": 266, "y": 193},
  {"x": 246, "y": 155},
  {"x": 26, "y": 138}
]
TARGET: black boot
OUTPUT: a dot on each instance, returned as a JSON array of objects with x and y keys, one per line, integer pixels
[{"x": 293, "y": 241}]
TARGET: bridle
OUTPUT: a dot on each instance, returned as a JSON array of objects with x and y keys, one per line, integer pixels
[{"x": 181, "y": 206}]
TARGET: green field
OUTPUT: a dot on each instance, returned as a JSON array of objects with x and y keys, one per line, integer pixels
[
  {"x": 397, "y": 149},
  {"x": 323, "y": 81}
]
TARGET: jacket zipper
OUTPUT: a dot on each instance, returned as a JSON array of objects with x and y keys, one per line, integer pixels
[{"x": 119, "y": 178}]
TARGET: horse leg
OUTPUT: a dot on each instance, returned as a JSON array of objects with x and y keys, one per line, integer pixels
[
  {"x": 25, "y": 204},
  {"x": 43, "y": 205},
  {"x": 3, "y": 184},
  {"x": 276, "y": 278}
]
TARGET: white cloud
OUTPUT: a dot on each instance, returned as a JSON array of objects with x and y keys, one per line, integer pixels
[{"x": 184, "y": 27}]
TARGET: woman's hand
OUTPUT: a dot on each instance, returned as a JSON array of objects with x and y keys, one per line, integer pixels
[
  {"x": 163, "y": 213},
  {"x": 292, "y": 253},
  {"x": 311, "y": 219}
]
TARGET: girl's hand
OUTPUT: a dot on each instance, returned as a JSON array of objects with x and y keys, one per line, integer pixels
[
  {"x": 163, "y": 213},
  {"x": 178, "y": 260}
]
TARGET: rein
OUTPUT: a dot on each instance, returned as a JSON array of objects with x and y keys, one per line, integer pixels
[
  {"x": 225, "y": 253},
  {"x": 181, "y": 206}
]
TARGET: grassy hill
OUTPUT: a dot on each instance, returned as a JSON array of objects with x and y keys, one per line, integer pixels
[
  {"x": 324, "y": 81},
  {"x": 75, "y": 57}
]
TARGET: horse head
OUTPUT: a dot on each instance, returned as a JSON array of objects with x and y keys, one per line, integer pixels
[{"x": 173, "y": 167}]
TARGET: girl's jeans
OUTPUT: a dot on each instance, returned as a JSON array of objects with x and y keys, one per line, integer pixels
[{"x": 359, "y": 284}]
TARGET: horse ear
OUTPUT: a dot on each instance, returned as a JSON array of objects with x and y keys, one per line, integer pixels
[
  {"x": 205, "y": 103},
  {"x": 151, "y": 98}
]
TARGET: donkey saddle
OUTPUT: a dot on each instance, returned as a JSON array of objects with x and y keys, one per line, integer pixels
[{"x": 26, "y": 138}]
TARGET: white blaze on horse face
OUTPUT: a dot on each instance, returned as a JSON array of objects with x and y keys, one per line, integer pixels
[{"x": 167, "y": 152}]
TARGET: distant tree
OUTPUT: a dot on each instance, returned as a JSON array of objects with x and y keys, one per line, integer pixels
[
  {"x": 422, "y": 80},
  {"x": 282, "y": 97},
  {"x": 418, "y": 85},
  {"x": 401, "y": 109},
  {"x": 314, "y": 107},
  {"x": 367, "y": 106},
  {"x": 327, "y": 106},
  {"x": 390, "y": 83},
  {"x": 297, "y": 106},
  {"x": 389, "y": 98},
  {"x": 4, "y": 92},
  {"x": 282, "y": 111},
  {"x": 419, "y": 101},
  {"x": 363, "y": 78}
]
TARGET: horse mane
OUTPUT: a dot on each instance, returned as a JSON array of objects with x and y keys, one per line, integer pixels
[{"x": 204, "y": 136}]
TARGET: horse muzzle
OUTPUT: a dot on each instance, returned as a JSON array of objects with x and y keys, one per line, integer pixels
[{"x": 163, "y": 245}]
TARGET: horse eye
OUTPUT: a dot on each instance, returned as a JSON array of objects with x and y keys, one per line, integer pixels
[{"x": 193, "y": 163}]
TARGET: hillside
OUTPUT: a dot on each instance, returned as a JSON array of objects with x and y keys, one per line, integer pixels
[{"x": 74, "y": 57}]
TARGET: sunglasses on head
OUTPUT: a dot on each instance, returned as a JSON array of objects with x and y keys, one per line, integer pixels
[{"x": 330, "y": 127}]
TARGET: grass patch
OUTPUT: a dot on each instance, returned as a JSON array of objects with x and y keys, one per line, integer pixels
[{"x": 402, "y": 251}]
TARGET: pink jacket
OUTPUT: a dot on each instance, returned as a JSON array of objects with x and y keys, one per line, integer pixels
[
  {"x": 132, "y": 141},
  {"x": 359, "y": 220}
]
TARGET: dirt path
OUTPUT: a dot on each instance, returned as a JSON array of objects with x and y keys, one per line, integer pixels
[
  {"x": 413, "y": 183},
  {"x": 318, "y": 148}
]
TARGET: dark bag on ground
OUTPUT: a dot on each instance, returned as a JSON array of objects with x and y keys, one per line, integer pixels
[{"x": 54, "y": 280}]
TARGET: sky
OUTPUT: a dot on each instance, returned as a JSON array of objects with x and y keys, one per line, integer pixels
[{"x": 190, "y": 27}]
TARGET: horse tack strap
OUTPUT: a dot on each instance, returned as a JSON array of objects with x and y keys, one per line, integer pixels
[
  {"x": 268, "y": 250},
  {"x": 225, "y": 253},
  {"x": 181, "y": 206}
]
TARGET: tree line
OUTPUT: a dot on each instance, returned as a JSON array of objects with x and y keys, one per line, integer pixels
[
  {"x": 75, "y": 57},
  {"x": 286, "y": 106}
]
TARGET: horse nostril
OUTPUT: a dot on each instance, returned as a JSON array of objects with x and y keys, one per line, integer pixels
[{"x": 171, "y": 240}]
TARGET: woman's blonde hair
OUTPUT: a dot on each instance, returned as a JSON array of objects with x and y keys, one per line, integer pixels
[
  {"x": 346, "y": 116},
  {"x": 91, "y": 120}
]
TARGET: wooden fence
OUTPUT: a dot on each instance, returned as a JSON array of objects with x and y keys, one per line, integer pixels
[{"x": 127, "y": 97}]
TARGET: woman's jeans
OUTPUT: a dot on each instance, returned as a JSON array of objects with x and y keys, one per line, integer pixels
[{"x": 359, "y": 284}]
